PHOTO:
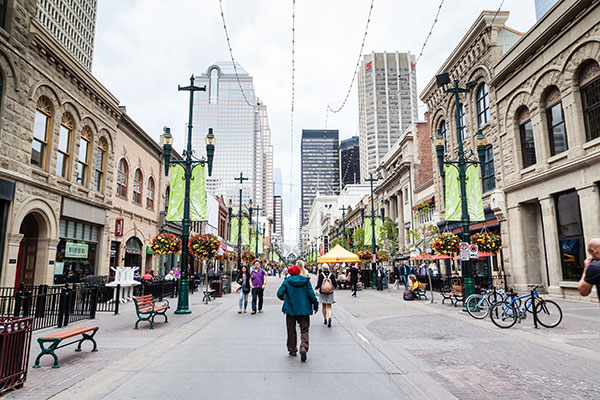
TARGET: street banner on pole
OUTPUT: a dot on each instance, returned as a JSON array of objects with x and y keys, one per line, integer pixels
[
  {"x": 453, "y": 203},
  {"x": 474, "y": 199},
  {"x": 379, "y": 232},
  {"x": 176, "y": 194},
  {"x": 198, "y": 207},
  {"x": 245, "y": 232},
  {"x": 234, "y": 231},
  {"x": 261, "y": 245},
  {"x": 368, "y": 240}
]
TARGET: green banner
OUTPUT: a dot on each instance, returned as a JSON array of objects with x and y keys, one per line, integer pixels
[
  {"x": 453, "y": 203},
  {"x": 198, "y": 207},
  {"x": 368, "y": 232},
  {"x": 245, "y": 232},
  {"x": 379, "y": 232},
  {"x": 261, "y": 245},
  {"x": 474, "y": 200},
  {"x": 176, "y": 194},
  {"x": 235, "y": 231}
]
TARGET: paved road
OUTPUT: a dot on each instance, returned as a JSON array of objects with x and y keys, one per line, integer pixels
[{"x": 378, "y": 347}]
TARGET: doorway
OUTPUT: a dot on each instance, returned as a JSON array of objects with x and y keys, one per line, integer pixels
[{"x": 26, "y": 262}]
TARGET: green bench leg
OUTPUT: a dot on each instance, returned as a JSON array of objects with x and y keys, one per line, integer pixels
[
  {"x": 50, "y": 350},
  {"x": 90, "y": 338}
]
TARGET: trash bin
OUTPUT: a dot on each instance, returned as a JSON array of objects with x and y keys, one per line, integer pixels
[
  {"x": 217, "y": 286},
  {"x": 15, "y": 342}
]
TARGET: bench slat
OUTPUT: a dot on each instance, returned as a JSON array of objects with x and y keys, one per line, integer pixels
[{"x": 70, "y": 332}]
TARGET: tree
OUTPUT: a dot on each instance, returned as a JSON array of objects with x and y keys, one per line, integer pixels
[
  {"x": 419, "y": 236},
  {"x": 390, "y": 237},
  {"x": 359, "y": 239}
]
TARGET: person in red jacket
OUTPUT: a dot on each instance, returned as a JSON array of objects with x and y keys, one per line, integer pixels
[{"x": 147, "y": 276}]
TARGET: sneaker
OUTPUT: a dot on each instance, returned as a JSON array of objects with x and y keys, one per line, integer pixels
[
  {"x": 292, "y": 353},
  {"x": 253, "y": 312},
  {"x": 302, "y": 356},
  {"x": 329, "y": 323},
  {"x": 325, "y": 321},
  {"x": 240, "y": 311}
]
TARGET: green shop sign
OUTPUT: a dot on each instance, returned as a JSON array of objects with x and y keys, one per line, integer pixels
[{"x": 76, "y": 250}]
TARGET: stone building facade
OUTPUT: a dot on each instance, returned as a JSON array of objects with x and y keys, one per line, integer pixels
[
  {"x": 548, "y": 128},
  {"x": 57, "y": 129}
]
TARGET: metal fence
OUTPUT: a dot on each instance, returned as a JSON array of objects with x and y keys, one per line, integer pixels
[{"x": 15, "y": 341}]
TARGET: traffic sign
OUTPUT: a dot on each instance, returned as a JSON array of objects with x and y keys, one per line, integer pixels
[
  {"x": 473, "y": 251},
  {"x": 464, "y": 251}
]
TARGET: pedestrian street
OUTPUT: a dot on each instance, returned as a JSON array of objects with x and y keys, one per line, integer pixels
[{"x": 379, "y": 346}]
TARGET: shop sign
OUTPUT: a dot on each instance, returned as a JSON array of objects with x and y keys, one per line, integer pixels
[
  {"x": 119, "y": 227},
  {"x": 76, "y": 250}
]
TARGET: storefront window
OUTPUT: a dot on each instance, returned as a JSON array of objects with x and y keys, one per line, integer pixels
[
  {"x": 570, "y": 234},
  {"x": 76, "y": 252}
]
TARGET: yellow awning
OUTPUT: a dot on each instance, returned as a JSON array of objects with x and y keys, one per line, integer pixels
[{"x": 337, "y": 255}]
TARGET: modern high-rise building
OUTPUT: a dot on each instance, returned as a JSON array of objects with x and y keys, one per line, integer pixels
[
  {"x": 387, "y": 104},
  {"x": 349, "y": 161},
  {"x": 277, "y": 182},
  {"x": 278, "y": 216},
  {"x": 240, "y": 124},
  {"x": 320, "y": 166},
  {"x": 542, "y": 7},
  {"x": 73, "y": 24}
]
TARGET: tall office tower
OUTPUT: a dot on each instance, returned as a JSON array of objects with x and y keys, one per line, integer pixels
[
  {"x": 72, "y": 23},
  {"x": 349, "y": 161},
  {"x": 387, "y": 104},
  {"x": 277, "y": 182},
  {"x": 267, "y": 160},
  {"x": 542, "y": 7},
  {"x": 278, "y": 216},
  {"x": 241, "y": 129},
  {"x": 320, "y": 166}
]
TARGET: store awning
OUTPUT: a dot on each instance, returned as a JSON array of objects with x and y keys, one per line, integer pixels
[{"x": 338, "y": 254}]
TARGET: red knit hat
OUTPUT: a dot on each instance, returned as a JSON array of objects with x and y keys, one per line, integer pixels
[{"x": 294, "y": 270}]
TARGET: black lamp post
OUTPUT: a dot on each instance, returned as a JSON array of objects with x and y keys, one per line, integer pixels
[
  {"x": 462, "y": 163},
  {"x": 258, "y": 209},
  {"x": 188, "y": 164},
  {"x": 241, "y": 179},
  {"x": 343, "y": 209},
  {"x": 373, "y": 216}
]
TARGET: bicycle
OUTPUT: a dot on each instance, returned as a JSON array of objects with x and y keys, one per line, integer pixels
[
  {"x": 505, "y": 314},
  {"x": 478, "y": 305}
]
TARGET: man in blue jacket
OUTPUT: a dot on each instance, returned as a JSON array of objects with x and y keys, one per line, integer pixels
[{"x": 299, "y": 301}]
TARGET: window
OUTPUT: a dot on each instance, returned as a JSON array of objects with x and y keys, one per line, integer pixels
[
  {"x": 214, "y": 86},
  {"x": 150, "y": 194},
  {"x": 570, "y": 234},
  {"x": 137, "y": 186},
  {"x": 589, "y": 82},
  {"x": 41, "y": 132},
  {"x": 557, "y": 130},
  {"x": 527, "y": 141},
  {"x": 461, "y": 120},
  {"x": 444, "y": 132},
  {"x": 488, "y": 179},
  {"x": 122, "y": 177},
  {"x": 64, "y": 146},
  {"x": 100, "y": 165},
  {"x": 3, "y": 9},
  {"x": 483, "y": 105},
  {"x": 84, "y": 156}
]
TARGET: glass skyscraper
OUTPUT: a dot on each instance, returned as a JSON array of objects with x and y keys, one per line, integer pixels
[{"x": 349, "y": 161}]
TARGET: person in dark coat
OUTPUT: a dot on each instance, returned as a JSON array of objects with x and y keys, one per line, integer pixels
[
  {"x": 353, "y": 278},
  {"x": 299, "y": 302}
]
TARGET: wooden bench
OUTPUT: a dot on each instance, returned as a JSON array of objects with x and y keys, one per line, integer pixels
[
  {"x": 55, "y": 339},
  {"x": 421, "y": 294},
  {"x": 455, "y": 294},
  {"x": 208, "y": 294},
  {"x": 146, "y": 309}
]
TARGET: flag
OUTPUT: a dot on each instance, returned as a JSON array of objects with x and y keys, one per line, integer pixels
[
  {"x": 198, "y": 208},
  {"x": 474, "y": 200},
  {"x": 176, "y": 193},
  {"x": 453, "y": 203},
  {"x": 235, "y": 231},
  {"x": 245, "y": 232}
]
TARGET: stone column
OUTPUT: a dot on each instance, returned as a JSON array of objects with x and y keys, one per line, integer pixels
[
  {"x": 574, "y": 122},
  {"x": 518, "y": 248},
  {"x": 589, "y": 200},
  {"x": 44, "y": 270},
  {"x": 12, "y": 254},
  {"x": 400, "y": 220},
  {"x": 540, "y": 136},
  {"x": 551, "y": 243}
]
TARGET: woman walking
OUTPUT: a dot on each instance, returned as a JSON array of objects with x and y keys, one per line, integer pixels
[
  {"x": 326, "y": 285},
  {"x": 303, "y": 270},
  {"x": 244, "y": 289}
]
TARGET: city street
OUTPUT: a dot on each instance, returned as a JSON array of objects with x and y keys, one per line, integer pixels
[{"x": 379, "y": 346}]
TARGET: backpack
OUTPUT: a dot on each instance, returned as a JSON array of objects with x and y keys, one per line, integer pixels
[
  {"x": 408, "y": 296},
  {"x": 326, "y": 285}
]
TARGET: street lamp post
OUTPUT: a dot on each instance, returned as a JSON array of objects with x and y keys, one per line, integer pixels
[
  {"x": 372, "y": 216},
  {"x": 343, "y": 209},
  {"x": 241, "y": 179},
  {"x": 462, "y": 163},
  {"x": 258, "y": 209},
  {"x": 188, "y": 164}
]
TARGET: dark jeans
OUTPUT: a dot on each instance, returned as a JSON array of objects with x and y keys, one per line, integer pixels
[
  {"x": 292, "y": 336},
  {"x": 379, "y": 283},
  {"x": 257, "y": 292},
  {"x": 353, "y": 287}
]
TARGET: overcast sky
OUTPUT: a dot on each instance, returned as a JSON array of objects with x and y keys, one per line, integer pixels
[{"x": 145, "y": 48}]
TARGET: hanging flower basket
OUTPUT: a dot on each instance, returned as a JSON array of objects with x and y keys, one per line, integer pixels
[
  {"x": 486, "y": 241},
  {"x": 446, "y": 244},
  {"x": 365, "y": 255},
  {"x": 248, "y": 257},
  {"x": 165, "y": 243},
  {"x": 382, "y": 255},
  {"x": 230, "y": 255},
  {"x": 263, "y": 261},
  {"x": 204, "y": 247}
]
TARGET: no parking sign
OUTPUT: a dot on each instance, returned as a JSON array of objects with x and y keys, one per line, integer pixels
[
  {"x": 464, "y": 251},
  {"x": 473, "y": 251}
]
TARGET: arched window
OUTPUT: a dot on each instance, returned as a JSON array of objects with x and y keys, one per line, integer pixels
[
  {"x": 557, "y": 130},
  {"x": 444, "y": 132},
  {"x": 100, "y": 165},
  {"x": 527, "y": 141},
  {"x": 214, "y": 86},
  {"x": 84, "y": 155},
  {"x": 3, "y": 10},
  {"x": 589, "y": 83},
  {"x": 483, "y": 105},
  {"x": 150, "y": 194},
  {"x": 122, "y": 178},
  {"x": 63, "y": 153},
  {"x": 137, "y": 186},
  {"x": 462, "y": 129},
  {"x": 41, "y": 132}
]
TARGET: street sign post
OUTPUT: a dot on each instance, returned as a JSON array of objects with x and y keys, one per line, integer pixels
[
  {"x": 464, "y": 251},
  {"x": 473, "y": 251}
]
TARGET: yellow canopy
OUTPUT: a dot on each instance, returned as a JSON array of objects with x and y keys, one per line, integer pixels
[{"x": 338, "y": 254}]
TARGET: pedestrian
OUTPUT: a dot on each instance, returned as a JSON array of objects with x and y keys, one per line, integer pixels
[
  {"x": 591, "y": 269},
  {"x": 258, "y": 279},
  {"x": 353, "y": 272},
  {"x": 404, "y": 270},
  {"x": 244, "y": 289},
  {"x": 397, "y": 277},
  {"x": 326, "y": 284},
  {"x": 279, "y": 270},
  {"x": 147, "y": 276},
  {"x": 169, "y": 276},
  {"x": 433, "y": 269},
  {"x": 379, "y": 278},
  {"x": 414, "y": 285},
  {"x": 303, "y": 270},
  {"x": 299, "y": 302}
]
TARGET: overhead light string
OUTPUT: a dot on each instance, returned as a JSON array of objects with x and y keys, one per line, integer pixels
[
  {"x": 293, "y": 93},
  {"x": 435, "y": 20}
]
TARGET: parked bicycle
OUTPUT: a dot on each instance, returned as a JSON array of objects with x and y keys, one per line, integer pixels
[
  {"x": 506, "y": 313},
  {"x": 478, "y": 305}
]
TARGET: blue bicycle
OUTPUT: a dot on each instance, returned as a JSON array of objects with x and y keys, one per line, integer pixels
[{"x": 506, "y": 313}]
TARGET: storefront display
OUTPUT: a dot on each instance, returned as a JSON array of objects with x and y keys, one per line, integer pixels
[{"x": 76, "y": 255}]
